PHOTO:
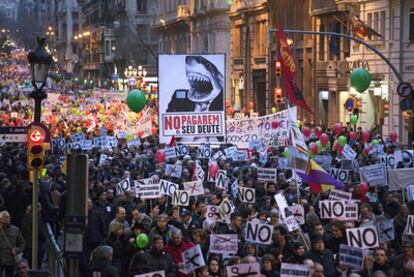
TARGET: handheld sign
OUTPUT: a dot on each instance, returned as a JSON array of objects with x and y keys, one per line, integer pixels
[
  {"x": 173, "y": 170},
  {"x": 222, "y": 244},
  {"x": 386, "y": 230},
  {"x": 364, "y": 237},
  {"x": 212, "y": 213},
  {"x": 299, "y": 213},
  {"x": 123, "y": 185},
  {"x": 181, "y": 198},
  {"x": 250, "y": 270},
  {"x": 409, "y": 228},
  {"x": 339, "y": 195},
  {"x": 266, "y": 174},
  {"x": 168, "y": 188},
  {"x": 337, "y": 209},
  {"x": 294, "y": 270},
  {"x": 151, "y": 191},
  {"x": 226, "y": 208},
  {"x": 351, "y": 256},
  {"x": 258, "y": 232},
  {"x": 204, "y": 151},
  {"x": 192, "y": 259},
  {"x": 194, "y": 188},
  {"x": 152, "y": 274},
  {"x": 246, "y": 195},
  {"x": 339, "y": 174},
  {"x": 221, "y": 179}
]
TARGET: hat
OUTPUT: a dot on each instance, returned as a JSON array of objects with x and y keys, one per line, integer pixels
[
  {"x": 185, "y": 212},
  {"x": 187, "y": 157},
  {"x": 297, "y": 245},
  {"x": 316, "y": 238},
  {"x": 274, "y": 212}
]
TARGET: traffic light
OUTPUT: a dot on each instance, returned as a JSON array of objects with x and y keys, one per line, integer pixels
[
  {"x": 408, "y": 120},
  {"x": 36, "y": 148},
  {"x": 278, "y": 95},
  {"x": 385, "y": 109},
  {"x": 278, "y": 68}
]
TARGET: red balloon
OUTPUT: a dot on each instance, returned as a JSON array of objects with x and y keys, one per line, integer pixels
[
  {"x": 353, "y": 135},
  {"x": 365, "y": 136},
  {"x": 140, "y": 134},
  {"x": 228, "y": 103},
  {"x": 318, "y": 132},
  {"x": 160, "y": 156},
  {"x": 275, "y": 124},
  {"x": 11, "y": 124},
  {"x": 363, "y": 188},
  {"x": 368, "y": 148},
  {"x": 324, "y": 139},
  {"x": 306, "y": 132},
  {"x": 154, "y": 131},
  {"x": 393, "y": 136},
  {"x": 213, "y": 169},
  {"x": 244, "y": 110},
  {"x": 251, "y": 105},
  {"x": 314, "y": 148},
  {"x": 338, "y": 129}
]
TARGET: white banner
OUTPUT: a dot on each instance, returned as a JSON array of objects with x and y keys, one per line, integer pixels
[
  {"x": 222, "y": 244},
  {"x": 181, "y": 198},
  {"x": 152, "y": 274},
  {"x": 266, "y": 174},
  {"x": 123, "y": 185},
  {"x": 151, "y": 191},
  {"x": 400, "y": 178},
  {"x": 246, "y": 195},
  {"x": 191, "y": 98},
  {"x": 240, "y": 132},
  {"x": 194, "y": 188},
  {"x": 258, "y": 232},
  {"x": 375, "y": 175},
  {"x": 340, "y": 195}
]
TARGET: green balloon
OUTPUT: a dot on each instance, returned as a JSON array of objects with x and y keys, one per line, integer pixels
[
  {"x": 342, "y": 141},
  {"x": 78, "y": 130},
  {"x": 320, "y": 147},
  {"x": 354, "y": 119},
  {"x": 141, "y": 241},
  {"x": 360, "y": 79},
  {"x": 311, "y": 154},
  {"x": 286, "y": 153},
  {"x": 374, "y": 142},
  {"x": 328, "y": 145},
  {"x": 136, "y": 100}
]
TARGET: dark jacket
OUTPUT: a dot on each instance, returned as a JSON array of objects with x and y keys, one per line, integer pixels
[
  {"x": 152, "y": 261},
  {"x": 10, "y": 237},
  {"x": 120, "y": 257},
  {"x": 333, "y": 243},
  {"x": 99, "y": 221},
  {"x": 104, "y": 267},
  {"x": 399, "y": 227},
  {"x": 325, "y": 258}
]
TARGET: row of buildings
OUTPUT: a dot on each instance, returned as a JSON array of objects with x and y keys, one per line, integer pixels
[{"x": 96, "y": 40}]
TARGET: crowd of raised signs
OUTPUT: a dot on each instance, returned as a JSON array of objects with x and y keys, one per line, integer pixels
[{"x": 234, "y": 210}]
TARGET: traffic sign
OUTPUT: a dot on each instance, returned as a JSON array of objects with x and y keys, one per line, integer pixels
[
  {"x": 349, "y": 104},
  {"x": 13, "y": 134},
  {"x": 404, "y": 89}
]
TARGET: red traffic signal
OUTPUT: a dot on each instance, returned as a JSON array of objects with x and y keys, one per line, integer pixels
[
  {"x": 36, "y": 137},
  {"x": 278, "y": 68},
  {"x": 278, "y": 95}
]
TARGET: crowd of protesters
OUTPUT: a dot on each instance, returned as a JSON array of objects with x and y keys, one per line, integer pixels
[{"x": 117, "y": 220}]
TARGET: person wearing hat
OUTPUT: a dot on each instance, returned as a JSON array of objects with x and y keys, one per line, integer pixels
[
  {"x": 101, "y": 259},
  {"x": 320, "y": 255},
  {"x": 298, "y": 253}
]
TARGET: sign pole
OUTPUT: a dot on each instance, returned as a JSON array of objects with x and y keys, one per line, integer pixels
[{"x": 35, "y": 226}]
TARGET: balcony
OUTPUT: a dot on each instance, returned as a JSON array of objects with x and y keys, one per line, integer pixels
[
  {"x": 245, "y": 4},
  {"x": 183, "y": 12}
]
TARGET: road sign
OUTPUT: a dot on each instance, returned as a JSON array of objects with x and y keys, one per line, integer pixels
[
  {"x": 13, "y": 134},
  {"x": 349, "y": 104},
  {"x": 404, "y": 89}
]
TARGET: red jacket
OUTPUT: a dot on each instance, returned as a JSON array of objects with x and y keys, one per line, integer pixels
[{"x": 176, "y": 251}]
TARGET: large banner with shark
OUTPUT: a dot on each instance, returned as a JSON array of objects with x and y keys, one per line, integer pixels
[{"x": 191, "y": 98}]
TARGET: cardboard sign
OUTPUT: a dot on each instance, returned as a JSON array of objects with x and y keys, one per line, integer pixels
[
  {"x": 282, "y": 205},
  {"x": 111, "y": 141},
  {"x": 226, "y": 208},
  {"x": 151, "y": 191},
  {"x": 291, "y": 223},
  {"x": 266, "y": 174},
  {"x": 229, "y": 150},
  {"x": 348, "y": 152},
  {"x": 239, "y": 156},
  {"x": 182, "y": 150},
  {"x": 78, "y": 137},
  {"x": 181, "y": 198},
  {"x": 374, "y": 175},
  {"x": 102, "y": 159},
  {"x": 351, "y": 256},
  {"x": 194, "y": 188},
  {"x": 143, "y": 183},
  {"x": 192, "y": 258},
  {"x": 246, "y": 195},
  {"x": 221, "y": 179},
  {"x": 409, "y": 228},
  {"x": 250, "y": 270},
  {"x": 259, "y": 233},
  {"x": 199, "y": 174},
  {"x": 169, "y": 153},
  {"x": 386, "y": 230},
  {"x": 294, "y": 270},
  {"x": 400, "y": 178},
  {"x": 339, "y": 174},
  {"x": 168, "y": 188},
  {"x": 340, "y": 195},
  {"x": 173, "y": 170},
  {"x": 217, "y": 156},
  {"x": 364, "y": 237},
  {"x": 87, "y": 145},
  {"x": 204, "y": 151},
  {"x": 212, "y": 213},
  {"x": 58, "y": 144},
  {"x": 152, "y": 274},
  {"x": 338, "y": 209},
  {"x": 123, "y": 185},
  {"x": 222, "y": 244}
]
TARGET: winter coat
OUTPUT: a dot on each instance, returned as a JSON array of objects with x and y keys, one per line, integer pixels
[
  {"x": 152, "y": 261},
  {"x": 175, "y": 253},
  {"x": 99, "y": 220},
  {"x": 14, "y": 239},
  {"x": 325, "y": 258},
  {"x": 104, "y": 267},
  {"x": 120, "y": 257}
]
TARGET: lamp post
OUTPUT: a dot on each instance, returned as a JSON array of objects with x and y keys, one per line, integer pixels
[{"x": 39, "y": 61}]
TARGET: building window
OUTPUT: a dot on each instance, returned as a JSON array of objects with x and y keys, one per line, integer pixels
[
  {"x": 142, "y": 7},
  {"x": 382, "y": 23},
  {"x": 322, "y": 43},
  {"x": 411, "y": 35},
  {"x": 205, "y": 43}
]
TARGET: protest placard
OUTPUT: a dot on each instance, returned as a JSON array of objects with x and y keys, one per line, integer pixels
[
  {"x": 192, "y": 258},
  {"x": 241, "y": 132},
  {"x": 400, "y": 178},
  {"x": 151, "y": 191},
  {"x": 385, "y": 230},
  {"x": 251, "y": 270},
  {"x": 173, "y": 170},
  {"x": 348, "y": 152},
  {"x": 351, "y": 256},
  {"x": 123, "y": 185},
  {"x": 282, "y": 204},
  {"x": 181, "y": 150},
  {"x": 212, "y": 213},
  {"x": 204, "y": 151},
  {"x": 102, "y": 158},
  {"x": 222, "y": 244},
  {"x": 226, "y": 208},
  {"x": 324, "y": 161},
  {"x": 221, "y": 179},
  {"x": 363, "y": 237},
  {"x": 169, "y": 153},
  {"x": 266, "y": 174},
  {"x": 409, "y": 228},
  {"x": 299, "y": 213},
  {"x": 374, "y": 175},
  {"x": 181, "y": 198},
  {"x": 410, "y": 192},
  {"x": 168, "y": 188},
  {"x": 194, "y": 188},
  {"x": 338, "y": 209},
  {"x": 246, "y": 195},
  {"x": 339, "y": 195},
  {"x": 160, "y": 273},
  {"x": 229, "y": 150},
  {"x": 339, "y": 174},
  {"x": 198, "y": 174},
  {"x": 388, "y": 160},
  {"x": 294, "y": 270},
  {"x": 259, "y": 233}
]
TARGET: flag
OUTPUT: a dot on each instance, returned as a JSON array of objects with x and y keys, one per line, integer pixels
[
  {"x": 173, "y": 142},
  {"x": 334, "y": 40},
  {"x": 293, "y": 92},
  {"x": 360, "y": 29},
  {"x": 318, "y": 179}
]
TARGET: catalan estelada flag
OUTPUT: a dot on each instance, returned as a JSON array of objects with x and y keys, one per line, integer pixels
[{"x": 318, "y": 179}]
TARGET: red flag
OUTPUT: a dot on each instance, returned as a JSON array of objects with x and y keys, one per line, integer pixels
[
  {"x": 173, "y": 142},
  {"x": 293, "y": 92}
]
